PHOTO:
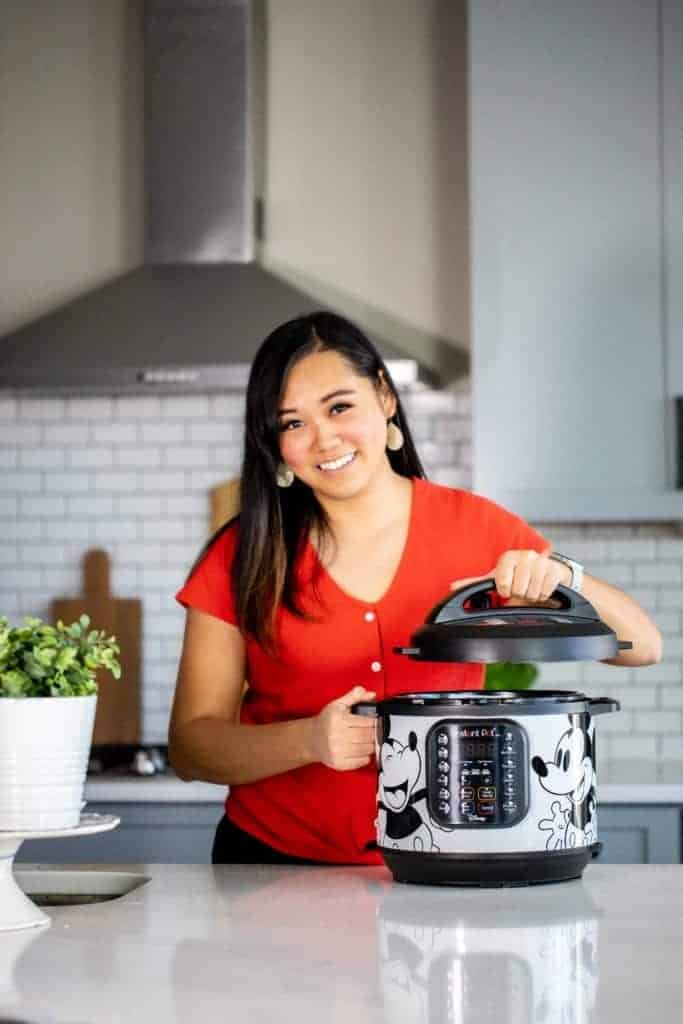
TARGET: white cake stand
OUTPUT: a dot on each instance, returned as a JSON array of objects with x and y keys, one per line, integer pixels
[{"x": 16, "y": 909}]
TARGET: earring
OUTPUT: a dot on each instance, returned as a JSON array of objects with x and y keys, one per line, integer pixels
[
  {"x": 394, "y": 437},
  {"x": 284, "y": 476}
]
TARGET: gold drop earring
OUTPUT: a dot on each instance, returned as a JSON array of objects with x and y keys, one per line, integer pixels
[
  {"x": 394, "y": 436},
  {"x": 284, "y": 476}
]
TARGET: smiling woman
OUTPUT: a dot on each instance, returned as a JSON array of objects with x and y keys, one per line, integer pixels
[{"x": 341, "y": 547}]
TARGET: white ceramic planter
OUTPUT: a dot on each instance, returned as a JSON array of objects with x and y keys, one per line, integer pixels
[{"x": 44, "y": 749}]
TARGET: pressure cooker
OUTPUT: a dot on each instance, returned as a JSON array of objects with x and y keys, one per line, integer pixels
[{"x": 492, "y": 787}]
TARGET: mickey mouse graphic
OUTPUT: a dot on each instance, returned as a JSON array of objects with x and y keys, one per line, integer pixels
[
  {"x": 571, "y": 775},
  {"x": 398, "y": 821}
]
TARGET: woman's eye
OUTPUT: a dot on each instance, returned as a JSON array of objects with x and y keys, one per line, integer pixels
[
  {"x": 288, "y": 425},
  {"x": 340, "y": 406}
]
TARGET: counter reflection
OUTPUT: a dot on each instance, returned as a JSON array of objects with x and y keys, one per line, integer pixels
[{"x": 489, "y": 956}]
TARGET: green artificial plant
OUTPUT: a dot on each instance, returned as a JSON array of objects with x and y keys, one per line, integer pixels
[
  {"x": 506, "y": 675},
  {"x": 39, "y": 660}
]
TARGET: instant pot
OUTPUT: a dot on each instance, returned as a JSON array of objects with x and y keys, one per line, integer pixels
[{"x": 492, "y": 788}]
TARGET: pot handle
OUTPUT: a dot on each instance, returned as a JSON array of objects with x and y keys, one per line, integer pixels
[
  {"x": 365, "y": 708},
  {"x": 602, "y": 705}
]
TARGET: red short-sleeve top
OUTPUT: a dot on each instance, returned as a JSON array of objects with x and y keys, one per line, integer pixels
[{"x": 314, "y": 811}]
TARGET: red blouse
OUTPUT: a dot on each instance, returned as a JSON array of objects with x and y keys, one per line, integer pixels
[{"x": 316, "y": 812}]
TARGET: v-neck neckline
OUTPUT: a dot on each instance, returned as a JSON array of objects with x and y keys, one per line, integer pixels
[{"x": 323, "y": 573}]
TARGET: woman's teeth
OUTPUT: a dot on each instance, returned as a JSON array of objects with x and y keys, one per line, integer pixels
[{"x": 337, "y": 463}]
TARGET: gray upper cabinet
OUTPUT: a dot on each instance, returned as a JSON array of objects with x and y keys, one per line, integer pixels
[
  {"x": 672, "y": 153},
  {"x": 570, "y": 414}
]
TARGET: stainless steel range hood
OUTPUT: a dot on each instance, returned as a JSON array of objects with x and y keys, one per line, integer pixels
[{"x": 192, "y": 317}]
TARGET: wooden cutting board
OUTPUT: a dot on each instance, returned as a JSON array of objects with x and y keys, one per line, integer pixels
[
  {"x": 117, "y": 719},
  {"x": 225, "y": 502}
]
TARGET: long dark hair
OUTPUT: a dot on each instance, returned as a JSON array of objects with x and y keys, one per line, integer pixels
[{"x": 274, "y": 522}]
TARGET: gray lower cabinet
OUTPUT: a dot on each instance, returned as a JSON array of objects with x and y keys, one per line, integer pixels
[
  {"x": 183, "y": 834},
  {"x": 163, "y": 833},
  {"x": 640, "y": 834}
]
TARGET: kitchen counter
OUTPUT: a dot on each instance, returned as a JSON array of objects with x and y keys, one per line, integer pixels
[
  {"x": 619, "y": 782},
  {"x": 344, "y": 945}
]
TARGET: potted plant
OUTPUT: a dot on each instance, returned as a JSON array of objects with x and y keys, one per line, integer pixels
[{"x": 48, "y": 695}]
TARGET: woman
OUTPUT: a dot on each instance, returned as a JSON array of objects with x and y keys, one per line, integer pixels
[{"x": 340, "y": 550}]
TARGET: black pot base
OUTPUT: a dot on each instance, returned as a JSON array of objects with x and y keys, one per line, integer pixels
[{"x": 490, "y": 870}]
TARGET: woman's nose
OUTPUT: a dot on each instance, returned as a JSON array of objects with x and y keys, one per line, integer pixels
[{"x": 326, "y": 435}]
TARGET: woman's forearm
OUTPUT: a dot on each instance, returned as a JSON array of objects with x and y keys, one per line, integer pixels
[
  {"x": 627, "y": 619},
  {"x": 219, "y": 750}
]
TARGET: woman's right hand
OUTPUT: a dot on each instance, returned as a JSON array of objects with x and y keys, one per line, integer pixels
[{"x": 341, "y": 740}]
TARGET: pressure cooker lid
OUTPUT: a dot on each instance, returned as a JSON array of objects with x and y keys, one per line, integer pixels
[
  {"x": 480, "y": 633},
  {"x": 471, "y": 703}
]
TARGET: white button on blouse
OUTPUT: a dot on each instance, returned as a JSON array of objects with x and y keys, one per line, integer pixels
[
  {"x": 376, "y": 666},
  {"x": 369, "y": 616}
]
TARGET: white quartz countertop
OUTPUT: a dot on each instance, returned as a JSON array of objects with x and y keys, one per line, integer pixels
[
  {"x": 619, "y": 782},
  {"x": 349, "y": 946}
]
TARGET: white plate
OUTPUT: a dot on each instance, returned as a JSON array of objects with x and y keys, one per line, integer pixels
[{"x": 89, "y": 824}]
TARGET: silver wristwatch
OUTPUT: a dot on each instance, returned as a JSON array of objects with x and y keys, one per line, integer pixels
[{"x": 576, "y": 570}]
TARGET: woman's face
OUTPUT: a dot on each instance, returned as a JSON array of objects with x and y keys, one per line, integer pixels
[{"x": 333, "y": 425}]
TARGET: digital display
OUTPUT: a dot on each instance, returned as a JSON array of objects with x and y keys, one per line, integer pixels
[{"x": 478, "y": 748}]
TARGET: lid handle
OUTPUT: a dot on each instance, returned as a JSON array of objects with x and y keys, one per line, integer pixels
[
  {"x": 601, "y": 705},
  {"x": 452, "y": 608}
]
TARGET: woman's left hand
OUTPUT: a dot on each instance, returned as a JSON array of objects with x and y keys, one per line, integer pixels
[{"x": 525, "y": 577}]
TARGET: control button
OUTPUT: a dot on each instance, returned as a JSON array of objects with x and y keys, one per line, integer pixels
[
  {"x": 443, "y": 752},
  {"x": 509, "y": 806},
  {"x": 443, "y": 766},
  {"x": 442, "y": 737},
  {"x": 467, "y": 807},
  {"x": 444, "y": 807},
  {"x": 467, "y": 792},
  {"x": 369, "y": 616},
  {"x": 442, "y": 780},
  {"x": 376, "y": 666},
  {"x": 487, "y": 808},
  {"x": 444, "y": 794},
  {"x": 509, "y": 789},
  {"x": 507, "y": 750},
  {"x": 507, "y": 762},
  {"x": 508, "y": 737},
  {"x": 486, "y": 792},
  {"x": 508, "y": 776}
]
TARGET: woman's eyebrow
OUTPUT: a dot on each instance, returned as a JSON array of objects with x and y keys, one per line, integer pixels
[{"x": 325, "y": 398}]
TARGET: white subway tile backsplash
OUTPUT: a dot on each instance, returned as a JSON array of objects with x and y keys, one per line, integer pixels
[
  {"x": 68, "y": 482},
  {"x": 138, "y": 408},
  {"x": 90, "y": 408},
  {"x": 226, "y": 406},
  {"x": 89, "y": 458},
  {"x": 671, "y": 748},
  {"x": 120, "y": 483},
  {"x": 158, "y": 481},
  {"x": 162, "y": 433},
  {"x": 185, "y": 407},
  {"x": 222, "y": 432},
  {"x": 139, "y": 506},
  {"x": 115, "y": 433},
  {"x": 91, "y": 507},
  {"x": 132, "y": 475},
  {"x": 41, "y": 408},
  {"x": 186, "y": 457},
  {"x": 138, "y": 458},
  {"x": 68, "y": 433},
  {"x": 21, "y": 481},
  {"x": 45, "y": 506}
]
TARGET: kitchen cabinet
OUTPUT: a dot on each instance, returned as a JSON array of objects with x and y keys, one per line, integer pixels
[
  {"x": 182, "y": 833},
  {"x": 571, "y": 419},
  {"x": 672, "y": 174},
  {"x": 163, "y": 833}
]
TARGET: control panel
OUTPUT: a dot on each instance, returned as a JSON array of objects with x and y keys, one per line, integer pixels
[{"x": 477, "y": 773}]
